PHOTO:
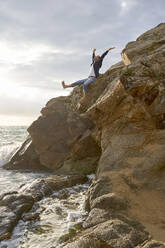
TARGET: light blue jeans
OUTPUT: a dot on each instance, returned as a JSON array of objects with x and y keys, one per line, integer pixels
[{"x": 85, "y": 82}]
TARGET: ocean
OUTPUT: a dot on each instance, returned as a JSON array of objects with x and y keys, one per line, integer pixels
[
  {"x": 51, "y": 225},
  {"x": 11, "y": 139}
]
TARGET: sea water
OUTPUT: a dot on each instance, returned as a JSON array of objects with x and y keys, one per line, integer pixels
[
  {"x": 56, "y": 217},
  {"x": 11, "y": 139}
]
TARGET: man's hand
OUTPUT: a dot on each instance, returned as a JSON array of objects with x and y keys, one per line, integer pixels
[
  {"x": 94, "y": 50},
  {"x": 111, "y": 48}
]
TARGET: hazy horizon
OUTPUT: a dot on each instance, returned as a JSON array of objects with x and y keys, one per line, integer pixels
[{"x": 45, "y": 42}]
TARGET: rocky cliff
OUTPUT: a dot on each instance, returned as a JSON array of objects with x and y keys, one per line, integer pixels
[{"x": 119, "y": 133}]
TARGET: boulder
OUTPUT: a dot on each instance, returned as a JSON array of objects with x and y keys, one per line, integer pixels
[
  {"x": 147, "y": 44},
  {"x": 25, "y": 158},
  {"x": 112, "y": 233},
  {"x": 110, "y": 202},
  {"x": 59, "y": 138},
  {"x": 56, "y": 134},
  {"x": 12, "y": 206}
]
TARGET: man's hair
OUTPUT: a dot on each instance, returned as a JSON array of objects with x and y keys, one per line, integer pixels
[{"x": 98, "y": 56}]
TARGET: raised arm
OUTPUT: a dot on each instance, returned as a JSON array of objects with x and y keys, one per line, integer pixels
[
  {"x": 93, "y": 54},
  {"x": 106, "y": 52}
]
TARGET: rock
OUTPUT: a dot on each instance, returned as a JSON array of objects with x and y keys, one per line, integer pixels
[
  {"x": 153, "y": 244},
  {"x": 55, "y": 134},
  {"x": 14, "y": 205},
  {"x": 96, "y": 89},
  {"x": 78, "y": 167},
  {"x": 7, "y": 220},
  {"x": 43, "y": 187},
  {"x": 25, "y": 158},
  {"x": 96, "y": 216},
  {"x": 31, "y": 216},
  {"x": 81, "y": 148},
  {"x": 113, "y": 233},
  {"x": 87, "y": 242},
  {"x": 59, "y": 135},
  {"x": 147, "y": 44},
  {"x": 130, "y": 117},
  {"x": 63, "y": 194},
  {"x": 57, "y": 184},
  {"x": 110, "y": 202},
  {"x": 97, "y": 188},
  {"x": 59, "y": 210},
  {"x": 11, "y": 209}
]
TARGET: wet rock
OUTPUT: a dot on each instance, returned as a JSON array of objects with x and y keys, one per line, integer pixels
[
  {"x": 11, "y": 209},
  {"x": 58, "y": 183},
  {"x": 8, "y": 220},
  {"x": 64, "y": 194},
  {"x": 13, "y": 205},
  {"x": 31, "y": 216},
  {"x": 59, "y": 210}
]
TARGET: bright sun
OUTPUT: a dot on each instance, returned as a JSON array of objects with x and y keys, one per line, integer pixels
[{"x": 123, "y": 4}]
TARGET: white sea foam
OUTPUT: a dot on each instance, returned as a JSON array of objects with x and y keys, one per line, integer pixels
[
  {"x": 7, "y": 151},
  {"x": 10, "y": 140}
]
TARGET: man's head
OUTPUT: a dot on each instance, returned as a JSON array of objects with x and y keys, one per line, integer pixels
[{"x": 96, "y": 58}]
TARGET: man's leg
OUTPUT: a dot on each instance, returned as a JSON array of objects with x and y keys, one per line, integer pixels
[
  {"x": 87, "y": 82},
  {"x": 85, "y": 87},
  {"x": 79, "y": 82}
]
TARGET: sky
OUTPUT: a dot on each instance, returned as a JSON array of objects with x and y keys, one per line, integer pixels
[{"x": 43, "y": 42}]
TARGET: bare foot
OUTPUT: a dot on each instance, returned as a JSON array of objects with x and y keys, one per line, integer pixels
[{"x": 63, "y": 85}]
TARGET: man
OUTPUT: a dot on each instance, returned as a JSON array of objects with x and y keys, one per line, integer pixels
[{"x": 94, "y": 73}]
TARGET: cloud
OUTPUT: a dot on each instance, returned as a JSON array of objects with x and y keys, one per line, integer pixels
[
  {"x": 44, "y": 42},
  {"x": 23, "y": 101}
]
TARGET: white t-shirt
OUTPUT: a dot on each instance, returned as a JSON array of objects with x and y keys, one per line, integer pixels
[{"x": 92, "y": 72}]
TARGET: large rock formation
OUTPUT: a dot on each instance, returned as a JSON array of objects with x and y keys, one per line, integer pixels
[
  {"x": 123, "y": 124},
  {"x": 59, "y": 139}
]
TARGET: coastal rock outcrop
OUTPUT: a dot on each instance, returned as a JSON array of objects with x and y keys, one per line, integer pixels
[
  {"x": 59, "y": 139},
  {"x": 120, "y": 131},
  {"x": 14, "y": 204},
  {"x": 130, "y": 118},
  {"x": 25, "y": 158}
]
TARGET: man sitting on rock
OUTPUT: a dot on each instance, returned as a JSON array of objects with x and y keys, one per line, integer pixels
[{"x": 94, "y": 73}]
